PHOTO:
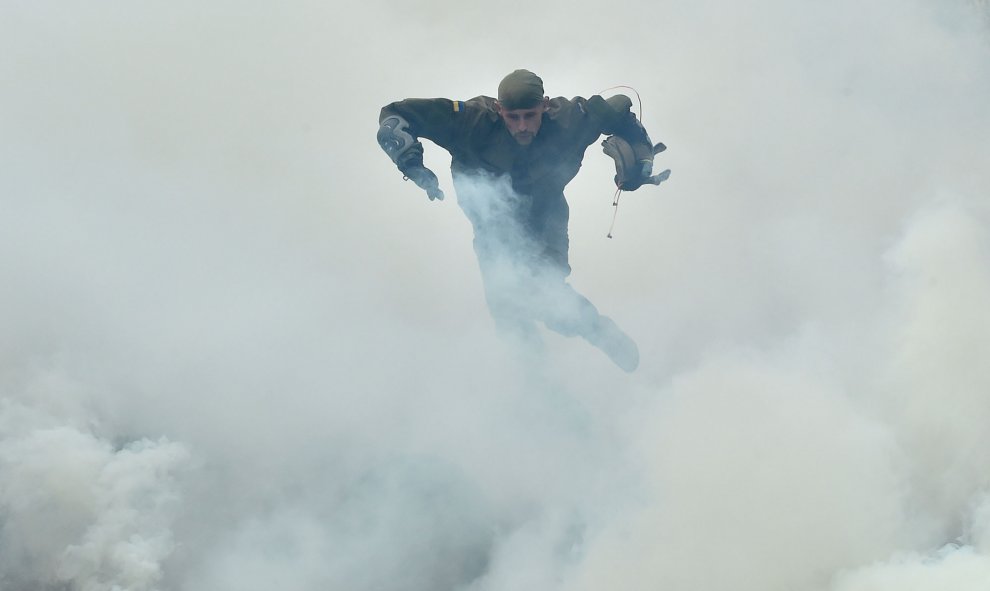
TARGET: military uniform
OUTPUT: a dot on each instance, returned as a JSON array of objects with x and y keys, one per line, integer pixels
[
  {"x": 502, "y": 184},
  {"x": 474, "y": 134}
]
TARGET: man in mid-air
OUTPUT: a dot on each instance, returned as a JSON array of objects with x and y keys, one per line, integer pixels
[{"x": 511, "y": 159}]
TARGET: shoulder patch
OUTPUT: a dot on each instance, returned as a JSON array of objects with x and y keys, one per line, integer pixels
[{"x": 458, "y": 106}]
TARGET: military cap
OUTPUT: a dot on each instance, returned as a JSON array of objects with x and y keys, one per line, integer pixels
[{"x": 521, "y": 89}]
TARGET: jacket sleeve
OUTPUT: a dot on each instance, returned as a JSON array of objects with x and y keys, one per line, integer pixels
[
  {"x": 613, "y": 116},
  {"x": 433, "y": 119}
]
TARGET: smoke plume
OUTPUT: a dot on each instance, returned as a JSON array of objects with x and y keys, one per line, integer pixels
[{"x": 239, "y": 352}]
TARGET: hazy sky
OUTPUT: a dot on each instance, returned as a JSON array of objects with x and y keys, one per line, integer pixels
[{"x": 239, "y": 352}]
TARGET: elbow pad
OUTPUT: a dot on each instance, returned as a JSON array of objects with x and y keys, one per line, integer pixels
[{"x": 398, "y": 143}]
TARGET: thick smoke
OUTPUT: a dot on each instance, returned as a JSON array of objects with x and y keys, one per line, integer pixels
[
  {"x": 238, "y": 352},
  {"x": 78, "y": 510},
  {"x": 521, "y": 244}
]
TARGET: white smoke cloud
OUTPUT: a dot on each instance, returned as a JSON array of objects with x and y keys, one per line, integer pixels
[
  {"x": 239, "y": 352},
  {"x": 75, "y": 510}
]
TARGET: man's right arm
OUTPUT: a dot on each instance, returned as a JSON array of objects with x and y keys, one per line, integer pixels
[{"x": 402, "y": 123}]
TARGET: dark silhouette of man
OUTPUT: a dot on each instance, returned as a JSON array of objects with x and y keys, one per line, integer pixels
[{"x": 511, "y": 158}]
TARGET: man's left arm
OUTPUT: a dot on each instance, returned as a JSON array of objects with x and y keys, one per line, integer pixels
[{"x": 628, "y": 144}]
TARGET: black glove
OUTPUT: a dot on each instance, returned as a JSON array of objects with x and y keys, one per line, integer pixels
[{"x": 424, "y": 179}]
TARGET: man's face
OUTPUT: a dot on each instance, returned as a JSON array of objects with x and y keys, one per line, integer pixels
[{"x": 524, "y": 124}]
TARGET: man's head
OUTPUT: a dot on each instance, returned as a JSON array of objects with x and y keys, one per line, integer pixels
[{"x": 521, "y": 104}]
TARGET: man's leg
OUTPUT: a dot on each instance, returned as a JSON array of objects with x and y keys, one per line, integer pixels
[
  {"x": 509, "y": 295},
  {"x": 562, "y": 308},
  {"x": 571, "y": 314},
  {"x": 493, "y": 210},
  {"x": 619, "y": 347}
]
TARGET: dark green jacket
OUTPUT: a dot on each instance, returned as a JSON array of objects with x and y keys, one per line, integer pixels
[{"x": 477, "y": 139}]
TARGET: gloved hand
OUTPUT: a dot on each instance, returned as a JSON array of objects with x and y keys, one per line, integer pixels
[
  {"x": 424, "y": 179},
  {"x": 643, "y": 179}
]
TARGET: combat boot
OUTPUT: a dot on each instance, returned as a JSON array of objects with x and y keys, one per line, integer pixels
[{"x": 621, "y": 349}]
